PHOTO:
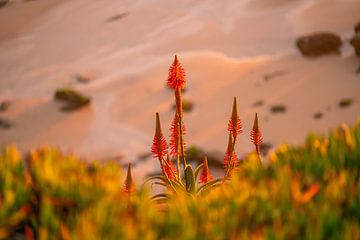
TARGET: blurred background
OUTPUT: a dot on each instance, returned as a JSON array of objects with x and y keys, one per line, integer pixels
[{"x": 88, "y": 76}]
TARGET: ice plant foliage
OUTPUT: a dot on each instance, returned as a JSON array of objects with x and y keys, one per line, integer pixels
[
  {"x": 255, "y": 135},
  {"x": 186, "y": 181},
  {"x": 307, "y": 195},
  {"x": 129, "y": 186},
  {"x": 310, "y": 191},
  {"x": 205, "y": 176}
]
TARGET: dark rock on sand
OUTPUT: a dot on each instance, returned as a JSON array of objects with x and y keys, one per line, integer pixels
[
  {"x": 196, "y": 155},
  {"x": 317, "y": 44},
  {"x": 357, "y": 28},
  {"x": 318, "y": 115},
  {"x": 355, "y": 42},
  {"x": 117, "y": 17},
  {"x": 144, "y": 156},
  {"x": 265, "y": 148},
  {"x": 186, "y": 104},
  {"x": 5, "y": 124},
  {"x": 258, "y": 103},
  {"x": 72, "y": 99},
  {"x": 3, "y": 3},
  {"x": 278, "y": 109},
  {"x": 4, "y": 105},
  {"x": 272, "y": 75},
  {"x": 345, "y": 102}
]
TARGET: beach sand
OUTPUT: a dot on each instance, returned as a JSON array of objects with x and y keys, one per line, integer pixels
[{"x": 228, "y": 48}]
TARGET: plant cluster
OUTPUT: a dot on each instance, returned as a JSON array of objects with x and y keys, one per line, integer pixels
[
  {"x": 306, "y": 192},
  {"x": 187, "y": 182}
]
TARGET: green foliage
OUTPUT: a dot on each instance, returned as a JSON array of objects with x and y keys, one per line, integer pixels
[
  {"x": 72, "y": 99},
  {"x": 306, "y": 192}
]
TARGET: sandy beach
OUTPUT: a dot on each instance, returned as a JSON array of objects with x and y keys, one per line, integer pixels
[{"x": 228, "y": 48}]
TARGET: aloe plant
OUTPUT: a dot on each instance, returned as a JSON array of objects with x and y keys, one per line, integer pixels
[{"x": 184, "y": 178}]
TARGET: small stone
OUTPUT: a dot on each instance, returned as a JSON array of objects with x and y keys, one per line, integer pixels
[
  {"x": 5, "y": 124},
  {"x": 117, "y": 17},
  {"x": 197, "y": 155},
  {"x": 144, "y": 156},
  {"x": 355, "y": 42},
  {"x": 278, "y": 109},
  {"x": 87, "y": 76},
  {"x": 3, "y": 3},
  {"x": 317, "y": 44},
  {"x": 345, "y": 102},
  {"x": 318, "y": 115},
  {"x": 357, "y": 28},
  {"x": 272, "y": 75},
  {"x": 186, "y": 104},
  {"x": 4, "y": 105},
  {"x": 265, "y": 148},
  {"x": 258, "y": 103}
]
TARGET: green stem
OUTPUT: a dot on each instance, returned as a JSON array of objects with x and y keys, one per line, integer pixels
[
  {"x": 182, "y": 142},
  {"x": 178, "y": 100},
  {"x": 178, "y": 166}
]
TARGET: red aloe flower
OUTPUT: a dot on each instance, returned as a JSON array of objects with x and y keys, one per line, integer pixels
[
  {"x": 129, "y": 186},
  {"x": 234, "y": 125},
  {"x": 255, "y": 134},
  {"x": 230, "y": 155},
  {"x": 205, "y": 176},
  {"x": 169, "y": 169},
  {"x": 174, "y": 136},
  {"x": 159, "y": 147},
  {"x": 176, "y": 78},
  {"x": 29, "y": 233}
]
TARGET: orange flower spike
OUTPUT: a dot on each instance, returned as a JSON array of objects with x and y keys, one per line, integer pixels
[
  {"x": 29, "y": 233},
  {"x": 174, "y": 137},
  {"x": 159, "y": 147},
  {"x": 230, "y": 155},
  {"x": 176, "y": 78},
  {"x": 234, "y": 125},
  {"x": 129, "y": 186},
  {"x": 307, "y": 195},
  {"x": 169, "y": 169},
  {"x": 255, "y": 135},
  {"x": 205, "y": 176}
]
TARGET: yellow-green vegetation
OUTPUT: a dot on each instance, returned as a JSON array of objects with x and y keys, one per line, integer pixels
[
  {"x": 306, "y": 192},
  {"x": 72, "y": 99}
]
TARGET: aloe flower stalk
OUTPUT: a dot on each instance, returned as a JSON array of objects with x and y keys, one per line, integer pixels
[
  {"x": 129, "y": 186},
  {"x": 174, "y": 136},
  {"x": 159, "y": 147},
  {"x": 205, "y": 176},
  {"x": 175, "y": 148},
  {"x": 255, "y": 135},
  {"x": 29, "y": 233},
  {"x": 169, "y": 169},
  {"x": 230, "y": 155},
  {"x": 234, "y": 128},
  {"x": 234, "y": 125},
  {"x": 176, "y": 80}
]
